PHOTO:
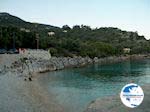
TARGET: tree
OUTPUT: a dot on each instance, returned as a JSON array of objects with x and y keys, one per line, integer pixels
[{"x": 66, "y": 27}]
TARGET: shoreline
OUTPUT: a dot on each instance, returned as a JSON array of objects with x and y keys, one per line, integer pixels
[
  {"x": 30, "y": 95},
  {"x": 60, "y": 63},
  {"x": 32, "y": 66}
]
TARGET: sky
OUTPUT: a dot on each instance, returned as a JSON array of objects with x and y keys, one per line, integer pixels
[{"x": 129, "y": 15}]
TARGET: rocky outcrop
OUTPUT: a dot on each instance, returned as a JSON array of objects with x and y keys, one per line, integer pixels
[
  {"x": 58, "y": 63},
  {"x": 54, "y": 63},
  {"x": 29, "y": 65}
]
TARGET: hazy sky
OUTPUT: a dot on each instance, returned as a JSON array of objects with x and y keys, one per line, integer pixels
[{"x": 130, "y": 15}]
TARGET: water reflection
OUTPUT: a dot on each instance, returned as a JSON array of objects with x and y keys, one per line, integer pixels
[{"x": 75, "y": 88}]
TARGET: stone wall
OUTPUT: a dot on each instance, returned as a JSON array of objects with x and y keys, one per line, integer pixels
[{"x": 35, "y": 53}]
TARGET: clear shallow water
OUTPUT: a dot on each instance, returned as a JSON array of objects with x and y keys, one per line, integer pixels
[{"x": 76, "y": 88}]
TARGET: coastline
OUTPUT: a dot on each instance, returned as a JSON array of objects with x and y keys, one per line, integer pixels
[
  {"x": 29, "y": 95},
  {"x": 35, "y": 65},
  {"x": 11, "y": 63},
  {"x": 32, "y": 66}
]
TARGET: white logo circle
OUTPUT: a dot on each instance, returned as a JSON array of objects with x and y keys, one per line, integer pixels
[{"x": 132, "y": 95}]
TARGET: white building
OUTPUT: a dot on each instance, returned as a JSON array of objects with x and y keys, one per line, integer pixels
[{"x": 51, "y": 33}]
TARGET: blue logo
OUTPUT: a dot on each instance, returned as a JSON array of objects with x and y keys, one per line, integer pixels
[{"x": 132, "y": 95}]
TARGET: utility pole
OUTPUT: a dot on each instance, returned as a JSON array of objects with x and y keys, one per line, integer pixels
[
  {"x": 1, "y": 33},
  {"x": 1, "y": 37},
  {"x": 14, "y": 41},
  {"x": 37, "y": 41}
]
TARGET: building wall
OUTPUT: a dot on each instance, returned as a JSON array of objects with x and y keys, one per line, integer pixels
[{"x": 126, "y": 50}]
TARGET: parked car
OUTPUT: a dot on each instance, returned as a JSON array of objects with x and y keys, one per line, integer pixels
[
  {"x": 3, "y": 51},
  {"x": 12, "y": 51}
]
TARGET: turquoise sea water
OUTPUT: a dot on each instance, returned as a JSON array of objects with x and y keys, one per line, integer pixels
[{"x": 76, "y": 88}]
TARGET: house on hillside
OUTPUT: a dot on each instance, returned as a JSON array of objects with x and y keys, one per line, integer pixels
[
  {"x": 126, "y": 50},
  {"x": 51, "y": 33},
  {"x": 25, "y": 30},
  {"x": 65, "y": 31}
]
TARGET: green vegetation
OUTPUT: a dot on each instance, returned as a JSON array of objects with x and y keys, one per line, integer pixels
[
  {"x": 22, "y": 39},
  {"x": 66, "y": 41}
]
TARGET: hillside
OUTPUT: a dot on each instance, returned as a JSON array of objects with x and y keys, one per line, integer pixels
[
  {"x": 66, "y": 41},
  {"x": 9, "y": 20}
]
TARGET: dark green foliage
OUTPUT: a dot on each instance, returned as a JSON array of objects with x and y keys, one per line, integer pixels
[
  {"x": 97, "y": 49},
  {"x": 79, "y": 40},
  {"x": 22, "y": 39},
  {"x": 53, "y": 51},
  {"x": 66, "y": 27}
]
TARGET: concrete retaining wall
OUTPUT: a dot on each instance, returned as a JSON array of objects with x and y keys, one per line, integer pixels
[{"x": 35, "y": 53}]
